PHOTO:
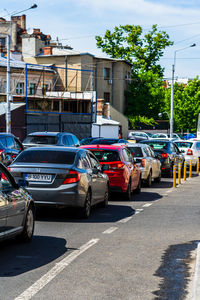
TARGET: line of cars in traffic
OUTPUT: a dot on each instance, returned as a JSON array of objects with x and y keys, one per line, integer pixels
[{"x": 54, "y": 169}]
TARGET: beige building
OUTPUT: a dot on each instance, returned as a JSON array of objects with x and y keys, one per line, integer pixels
[{"x": 81, "y": 72}]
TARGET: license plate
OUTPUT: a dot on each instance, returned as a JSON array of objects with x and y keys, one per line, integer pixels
[{"x": 38, "y": 177}]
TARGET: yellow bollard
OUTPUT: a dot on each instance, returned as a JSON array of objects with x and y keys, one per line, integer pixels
[
  {"x": 197, "y": 166},
  {"x": 174, "y": 176},
  {"x": 185, "y": 170},
  {"x": 190, "y": 169},
  {"x": 179, "y": 173}
]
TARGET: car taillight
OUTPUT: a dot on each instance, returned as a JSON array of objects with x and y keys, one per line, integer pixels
[
  {"x": 72, "y": 177},
  {"x": 117, "y": 166},
  {"x": 143, "y": 162},
  {"x": 189, "y": 152},
  {"x": 3, "y": 176},
  {"x": 164, "y": 155}
]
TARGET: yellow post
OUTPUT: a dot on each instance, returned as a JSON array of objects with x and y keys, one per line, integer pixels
[
  {"x": 185, "y": 170},
  {"x": 174, "y": 176},
  {"x": 197, "y": 166},
  {"x": 190, "y": 169},
  {"x": 179, "y": 173}
]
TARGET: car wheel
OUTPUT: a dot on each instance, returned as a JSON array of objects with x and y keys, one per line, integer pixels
[
  {"x": 127, "y": 194},
  {"x": 149, "y": 180},
  {"x": 104, "y": 203},
  {"x": 138, "y": 189},
  {"x": 158, "y": 179},
  {"x": 85, "y": 211},
  {"x": 27, "y": 233}
]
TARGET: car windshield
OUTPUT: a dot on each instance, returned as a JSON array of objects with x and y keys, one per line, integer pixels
[
  {"x": 47, "y": 157},
  {"x": 106, "y": 155},
  {"x": 104, "y": 141},
  {"x": 184, "y": 144},
  {"x": 136, "y": 151},
  {"x": 41, "y": 139},
  {"x": 158, "y": 145}
]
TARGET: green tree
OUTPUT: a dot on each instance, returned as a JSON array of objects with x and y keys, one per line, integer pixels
[{"x": 186, "y": 105}]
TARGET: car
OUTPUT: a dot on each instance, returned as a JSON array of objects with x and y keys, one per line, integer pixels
[
  {"x": 124, "y": 174},
  {"x": 45, "y": 138},
  {"x": 165, "y": 136},
  {"x": 63, "y": 177},
  {"x": 10, "y": 147},
  {"x": 17, "y": 209},
  {"x": 86, "y": 141},
  {"x": 190, "y": 150},
  {"x": 168, "y": 153},
  {"x": 137, "y": 136},
  {"x": 108, "y": 141},
  {"x": 150, "y": 165}
]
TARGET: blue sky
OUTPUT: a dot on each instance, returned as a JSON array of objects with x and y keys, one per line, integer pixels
[{"x": 77, "y": 22}]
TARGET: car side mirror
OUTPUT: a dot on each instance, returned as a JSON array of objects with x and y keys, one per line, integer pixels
[
  {"x": 22, "y": 183},
  {"x": 105, "y": 168}
]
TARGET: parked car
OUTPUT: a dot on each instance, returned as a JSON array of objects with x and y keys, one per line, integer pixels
[
  {"x": 150, "y": 165},
  {"x": 190, "y": 150},
  {"x": 88, "y": 140},
  {"x": 165, "y": 136},
  {"x": 124, "y": 175},
  {"x": 61, "y": 176},
  {"x": 138, "y": 136},
  {"x": 44, "y": 139},
  {"x": 107, "y": 141},
  {"x": 10, "y": 147},
  {"x": 168, "y": 153},
  {"x": 17, "y": 208}
]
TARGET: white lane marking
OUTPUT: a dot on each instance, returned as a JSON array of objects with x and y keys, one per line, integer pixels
[
  {"x": 169, "y": 191},
  {"x": 110, "y": 230},
  {"x": 139, "y": 210},
  {"x": 125, "y": 220},
  {"x": 196, "y": 287},
  {"x": 147, "y": 204},
  {"x": 51, "y": 274}
]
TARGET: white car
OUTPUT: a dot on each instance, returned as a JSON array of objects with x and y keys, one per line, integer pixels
[
  {"x": 190, "y": 150},
  {"x": 165, "y": 136},
  {"x": 150, "y": 166}
]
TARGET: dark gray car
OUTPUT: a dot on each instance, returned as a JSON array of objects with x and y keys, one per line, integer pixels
[
  {"x": 60, "y": 176},
  {"x": 43, "y": 139},
  {"x": 16, "y": 208}
]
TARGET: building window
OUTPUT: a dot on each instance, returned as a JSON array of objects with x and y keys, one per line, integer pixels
[
  {"x": 20, "y": 88},
  {"x": 55, "y": 105},
  {"x": 107, "y": 97},
  {"x": 32, "y": 88},
  {"x": 106, "y": 73}
]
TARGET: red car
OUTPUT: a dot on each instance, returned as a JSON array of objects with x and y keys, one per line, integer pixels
[{"x": 124, "y": 175}]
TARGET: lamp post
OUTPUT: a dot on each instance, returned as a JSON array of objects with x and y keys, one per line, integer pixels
[
  {"x": 8, "y": 92},
  {"x": 172, "y": 91}
]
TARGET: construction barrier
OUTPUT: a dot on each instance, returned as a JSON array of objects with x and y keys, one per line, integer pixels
[
  {"x": 174, "y": 176},
  {"x": 197, "y": 166},
  {"x": 179, "y": 173},
  {"x": 190, "y": 169}
]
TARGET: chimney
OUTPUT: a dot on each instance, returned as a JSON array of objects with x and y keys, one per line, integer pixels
[
  {"x": 100, "y": 107},
  {"x": 23, "y": 22},
  {"x": 106, "y": 110},
  {"x": 20, "y": 20},
  {"x": 36, "y": 31},
  {"x": 47, "y": 50}
]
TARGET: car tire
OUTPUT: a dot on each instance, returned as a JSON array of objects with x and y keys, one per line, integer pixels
[
  {"x": 127, "y": 194},
  {"x": 86, "y": 209},
  {"x": 158, "y": 179},
  {"x": 27, "y": 233},
  {"x": 104, "y": 203},
  {"x": 138, "y": 189},
  {"x": 149, "y": 180}
]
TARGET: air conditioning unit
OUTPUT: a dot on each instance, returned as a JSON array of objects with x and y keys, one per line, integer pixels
[{"x": 110, "y": 81}]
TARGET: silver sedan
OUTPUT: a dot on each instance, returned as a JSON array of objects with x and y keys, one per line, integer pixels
[
  {"x": 61, "y": 176},
  {"x": 149, "y": 164}
]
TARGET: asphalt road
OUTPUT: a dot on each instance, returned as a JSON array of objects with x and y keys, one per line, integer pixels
[{"x": 139, "y": 249}]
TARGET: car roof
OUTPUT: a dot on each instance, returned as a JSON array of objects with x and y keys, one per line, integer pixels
[
  {"x": 106, "y": 147},
  {"x": 157, "y": 140},
  {"x": 6, "y": 134},
  {"x": 48, "y": 133},
  {"x": 54, "y": 148},
  {"x": 136, "y": 145}
]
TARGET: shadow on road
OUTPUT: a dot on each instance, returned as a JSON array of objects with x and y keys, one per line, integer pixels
[
  {"x": 147, "y": 197},
  {"x": 17, "y": 258}
]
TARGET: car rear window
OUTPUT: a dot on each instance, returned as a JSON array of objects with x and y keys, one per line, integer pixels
[
  {"x": 136, "y": 151},
  {"x": 184, "y": 144},
  {"x": 158, "y": 145},
  {"x": 104, "y": 141},
  {"x": 47, "y": 157},
  {"x": 106, "y": 155},
  {"x": 41, "y": 139}
]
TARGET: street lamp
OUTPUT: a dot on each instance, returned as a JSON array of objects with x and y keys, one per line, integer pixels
[
  {"x": 172, "y": 91},
  {"x": 8, "y": 92}
]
